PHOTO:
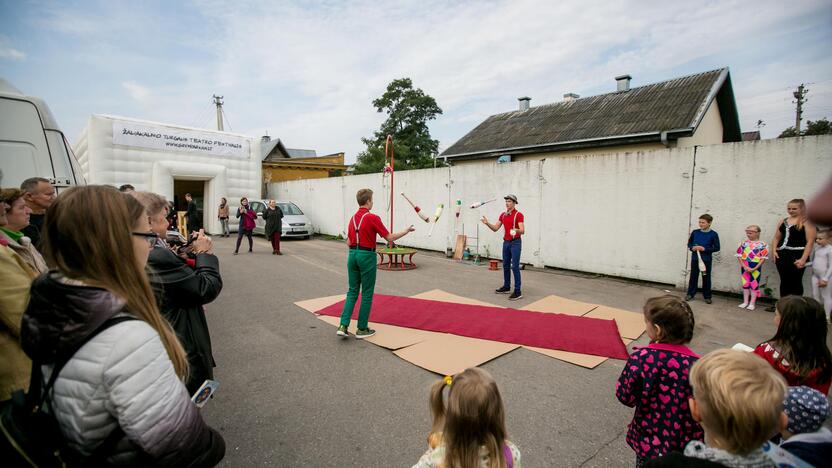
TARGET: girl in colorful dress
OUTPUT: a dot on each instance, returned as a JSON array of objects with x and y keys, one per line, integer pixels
[
  {"x": 469, "y": 430},
  {"x": 655, "y": 381},
  {"x": 751, "y": 254},
  {"x": 798, "y": 350}
]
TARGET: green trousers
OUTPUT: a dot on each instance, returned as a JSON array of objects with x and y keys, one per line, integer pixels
[{"x": 361, "y": 269}]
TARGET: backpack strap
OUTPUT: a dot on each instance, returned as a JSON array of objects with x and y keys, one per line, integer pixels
[
  {"x": 507, "y": 454},
  {"x": 100, "y": 452}
]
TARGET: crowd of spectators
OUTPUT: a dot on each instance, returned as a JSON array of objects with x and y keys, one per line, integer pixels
[{"x": 117, "y": 316}]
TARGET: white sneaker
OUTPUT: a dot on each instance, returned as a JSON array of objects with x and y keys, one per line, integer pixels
[
  {"x": 751, "y": 307},
  {"x": 743, "y": 305}
]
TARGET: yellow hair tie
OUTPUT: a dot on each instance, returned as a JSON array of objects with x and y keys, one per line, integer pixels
[{"x": 449, "y": 380}]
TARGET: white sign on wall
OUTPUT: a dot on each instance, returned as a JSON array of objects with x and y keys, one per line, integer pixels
[{"x": 178, "y": 140}]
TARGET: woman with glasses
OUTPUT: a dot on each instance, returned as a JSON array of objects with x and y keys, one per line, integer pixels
[
  {"x": 182, "y": 290},
  {"x": 119, "y": 400}
]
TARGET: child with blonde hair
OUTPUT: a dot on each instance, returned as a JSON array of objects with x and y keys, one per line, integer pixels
[
  {"x": 738, "y": 400},
  {"x": 469, "y": 429},
  {"x": 655, "y": 381},
  {"x": 751, "y": 254}
]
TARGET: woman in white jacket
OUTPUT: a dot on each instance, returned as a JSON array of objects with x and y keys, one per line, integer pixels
[{"x": 127, "y": 380}]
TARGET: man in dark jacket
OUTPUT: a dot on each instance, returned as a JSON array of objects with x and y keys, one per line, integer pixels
[
  {"x": 181, "y": 292},
  {"x": 193, "y": 222},
  {"x": 274, "y": 224},
  {"x": 39, "y": 195}
]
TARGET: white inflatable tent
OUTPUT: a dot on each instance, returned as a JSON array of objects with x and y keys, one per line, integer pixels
[{"x": 151, "y": 155}]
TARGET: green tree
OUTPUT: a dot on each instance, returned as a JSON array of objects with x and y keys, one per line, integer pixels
[
  {"x": 818, "y": 127},
  {"x": 408, "y": 112},
  {"x": 788, "y": 133}
]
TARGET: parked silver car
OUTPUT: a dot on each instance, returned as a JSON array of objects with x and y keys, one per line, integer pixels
[{"x": 295, "y": 223}]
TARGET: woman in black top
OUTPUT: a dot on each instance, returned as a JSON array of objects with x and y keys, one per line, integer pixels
[
  {"x": 791, "y": 247},
  {"x": 274, "y": 224}
]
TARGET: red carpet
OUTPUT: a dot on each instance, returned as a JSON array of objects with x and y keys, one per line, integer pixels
[{"x": 551, "y": 331}]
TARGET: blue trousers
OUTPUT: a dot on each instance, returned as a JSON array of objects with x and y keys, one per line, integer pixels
[
  {"x": 511, "y": 259},
  {"x": 694, "y": 276}
]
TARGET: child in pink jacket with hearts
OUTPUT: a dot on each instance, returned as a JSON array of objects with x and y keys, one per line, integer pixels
[{"x": 655, "y": 381}]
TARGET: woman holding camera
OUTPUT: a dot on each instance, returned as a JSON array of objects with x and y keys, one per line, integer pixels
[{"x": 182, "y": 291}]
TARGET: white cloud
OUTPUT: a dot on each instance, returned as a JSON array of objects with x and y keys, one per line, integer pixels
[
  {"x": 138, "y": 92},
  {"x": 9, "y": 52}
]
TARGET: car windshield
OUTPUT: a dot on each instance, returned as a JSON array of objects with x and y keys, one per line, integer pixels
[{"x": 289, "y": 209}]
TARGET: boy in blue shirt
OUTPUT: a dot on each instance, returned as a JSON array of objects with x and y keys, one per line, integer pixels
[{"x": 705, "y": 241}]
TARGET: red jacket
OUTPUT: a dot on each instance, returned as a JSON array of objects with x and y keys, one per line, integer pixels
[
  {"x": 771, "y": 354},
  {"x": 247, "y": 221}
]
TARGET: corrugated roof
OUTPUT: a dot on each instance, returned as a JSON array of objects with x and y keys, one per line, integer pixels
[
  {"x": 669, "y": 105},
  {"x": 301, "y": 153}
]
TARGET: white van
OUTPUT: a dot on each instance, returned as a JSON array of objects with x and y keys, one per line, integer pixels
[{"x": 31, "y": 143}]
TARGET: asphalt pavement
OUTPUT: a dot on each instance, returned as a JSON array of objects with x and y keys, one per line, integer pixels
[{"x": 292, "y": 394}]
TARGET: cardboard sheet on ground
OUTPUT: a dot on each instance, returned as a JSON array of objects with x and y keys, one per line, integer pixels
[
  {"x": 560, "y": 305},
  {"x": 314, "y": 305},
  {"x": 584, "y": 360},
  {"x": 630, "y": 324},
  {"x": 387, "y": 336},
  {"x": 450, "y": 354}
]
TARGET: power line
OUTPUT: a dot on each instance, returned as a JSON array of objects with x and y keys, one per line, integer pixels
[
  {"x": 201, "y": 116},
  {"x": 226, "y": 119}
]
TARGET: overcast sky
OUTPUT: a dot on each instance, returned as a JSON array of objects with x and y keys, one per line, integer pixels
[{"x": 307, "y": 71}]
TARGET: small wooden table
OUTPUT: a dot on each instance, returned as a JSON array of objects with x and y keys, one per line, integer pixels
[{"x": 395, "y": 258}]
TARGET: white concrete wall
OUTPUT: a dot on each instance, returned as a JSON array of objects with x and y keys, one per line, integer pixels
[
  {"x": 750, "y": 183},
  {"x": 623, "y": 214}
]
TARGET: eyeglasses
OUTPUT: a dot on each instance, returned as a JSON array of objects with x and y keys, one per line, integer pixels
[{"x": 150, "y": 237}]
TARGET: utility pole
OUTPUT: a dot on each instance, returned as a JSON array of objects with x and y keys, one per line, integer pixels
[
  {"x": 218, "y": 103},
  {"x": 800, "y": 99}
]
